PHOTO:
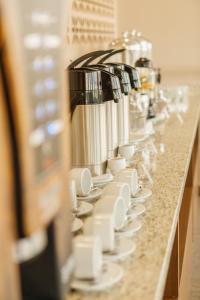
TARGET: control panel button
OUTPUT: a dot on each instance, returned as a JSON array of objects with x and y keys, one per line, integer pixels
[
  {"x": 37, "y": 137},
  {"x": 37, "y": 64},
  {"x": 51, "y": 107},
  {"x": 40, "y": 112},
  {"x": 51, "y": 41},
  {"x": 46, "y": 64},
  {"x": 39, "y": 89},
  {"x": 55, "y": 127},
  {"x": 50, "y": 84},
  {"x": 33, "y": 41},
  {"x": 49, "y": 63}
]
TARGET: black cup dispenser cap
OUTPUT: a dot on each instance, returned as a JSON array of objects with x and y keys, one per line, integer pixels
[
  {"x": 84, "y": 79},
  {"x": 110, "y": 82},
  {"x": 125, "y": 81},
  {"x": 132, "y": 72},
  {"x": 116, "y": 69},
  {"x": 123, "y": 78},
  {"x": 91, "y": 85},
  {"x": 85, "y": 87},
  {"x": 110, "y": 86},
  {"x": 115, "y": 85},
  {"x": 102, "y": 67},
  {"x": 87, "y": 56},
  {"x": 84, "y": 83}
]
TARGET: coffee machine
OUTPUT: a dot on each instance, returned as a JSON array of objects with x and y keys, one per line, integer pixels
[
  {"x": 91, "y": 90},
  {"x": 9, "y": 273},
  {"x": 35, "y": 99}
]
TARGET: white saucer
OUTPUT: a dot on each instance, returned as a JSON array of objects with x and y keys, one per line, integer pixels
[
  {"x": 77, "y": 224},
  {"x": 124, "y": 248},
  {"x": 130, "y": 228},
  {"x": 142, "y": 195},
  {"x": 84, "y": 209},
  {"x": 110, "y": 275},
  {"x": 136, "y": 210},
  {"x": 102, "y": 179},
  {"x": 94, "y": 195}
]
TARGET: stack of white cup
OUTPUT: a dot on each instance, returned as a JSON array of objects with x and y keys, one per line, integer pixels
[
  {"x": 80, "y": 184},
  {"x": 110, "y": 216},
  {"x": 88, "y": 257}
]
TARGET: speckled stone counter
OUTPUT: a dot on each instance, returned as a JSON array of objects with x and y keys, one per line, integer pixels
[{"x": 145, "y": 272}]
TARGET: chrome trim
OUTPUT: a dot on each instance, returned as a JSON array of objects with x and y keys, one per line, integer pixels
[
  {"x": 89, "y": 144},
  {"x": 123, "y": 120}
]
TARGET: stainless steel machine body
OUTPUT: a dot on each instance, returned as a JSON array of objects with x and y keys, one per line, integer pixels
[{"x": 89, "y": 143}]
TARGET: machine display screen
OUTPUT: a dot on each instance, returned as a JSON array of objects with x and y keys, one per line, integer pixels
[{"x": 41, "y": 40}]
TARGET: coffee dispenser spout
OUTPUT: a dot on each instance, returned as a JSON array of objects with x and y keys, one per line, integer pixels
[{"x": 92, "y": 54}]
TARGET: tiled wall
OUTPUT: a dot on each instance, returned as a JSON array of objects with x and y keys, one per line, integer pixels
[{"x": 91, "y": 26}]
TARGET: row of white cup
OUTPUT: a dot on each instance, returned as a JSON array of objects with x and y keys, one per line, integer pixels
[
  {"x": 110, "y": 216},
  {"x": 134, "y": 155},
  {"x": 125, "y": 152},
  {"x": 116, "y": 198}
]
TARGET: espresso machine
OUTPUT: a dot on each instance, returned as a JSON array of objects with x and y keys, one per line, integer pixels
[
  {"x": 9, "y": 272},
  {"x": 35, "y": 101},
  {"x": 91, "y": 91}
]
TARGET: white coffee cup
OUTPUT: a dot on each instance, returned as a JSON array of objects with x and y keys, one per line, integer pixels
[
  {"x": 102, "y": 225},
  {"x": 87, "y": 256},
  {"x": 129, "y": 176},
  {"x": 116, "y": 164},
  {"x": 72, "y": 194},
  {"x": 127, "y": 151},
  {"x": 119, "y": 189},
  {"x": 115, "y": 206},
  {"x": 83, "y": 180}
]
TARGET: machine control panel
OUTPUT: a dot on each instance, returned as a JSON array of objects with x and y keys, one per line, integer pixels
[{"x": 36, "y": 35}]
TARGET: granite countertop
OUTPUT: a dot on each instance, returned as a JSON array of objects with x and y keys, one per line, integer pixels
[{"x": 145, "y": 272}]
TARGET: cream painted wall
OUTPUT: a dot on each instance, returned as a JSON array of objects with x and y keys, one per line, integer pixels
[{"x": 174, "y": 28}]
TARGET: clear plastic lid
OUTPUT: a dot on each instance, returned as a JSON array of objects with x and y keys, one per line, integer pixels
[
  {"x": 146, "y": 45},
  {"x": 136, "y": 46}
]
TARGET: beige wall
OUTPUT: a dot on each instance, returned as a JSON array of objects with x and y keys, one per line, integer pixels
[{"x": 174, "y": 28}]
